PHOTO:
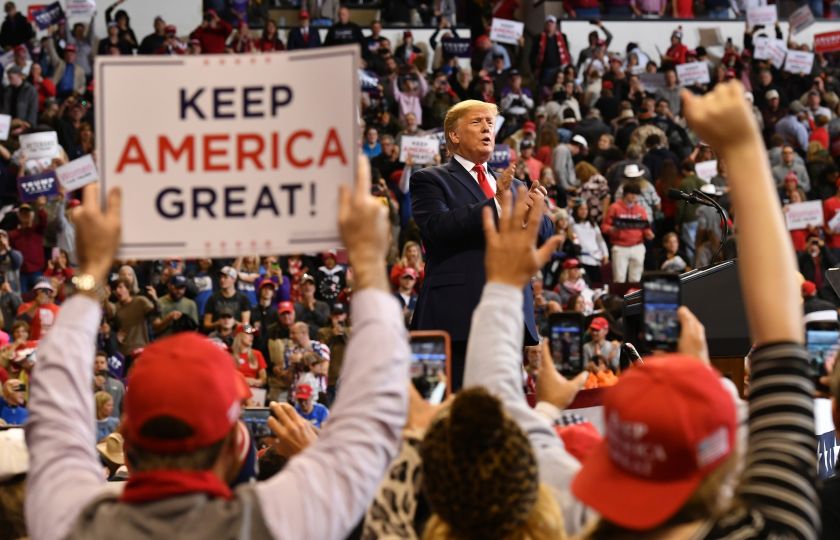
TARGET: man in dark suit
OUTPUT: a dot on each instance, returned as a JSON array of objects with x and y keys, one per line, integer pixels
[
  {"x": 447, "y": 204},
  {"x": 304, "y": 37}
]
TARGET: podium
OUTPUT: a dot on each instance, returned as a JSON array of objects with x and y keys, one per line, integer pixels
[{"x": 714, "y": 296}]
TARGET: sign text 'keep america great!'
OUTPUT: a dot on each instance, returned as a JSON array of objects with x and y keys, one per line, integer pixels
[{"x": 231, "y": 156}]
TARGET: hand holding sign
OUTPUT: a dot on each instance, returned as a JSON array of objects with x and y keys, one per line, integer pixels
[
  {"x": 97, "y": 232},
  {"x": 363, "y": 223}
]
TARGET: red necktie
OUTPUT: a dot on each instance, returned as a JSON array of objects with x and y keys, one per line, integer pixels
[
  {"x": 305, "y": 36},
  {"x": 482, "y": 180}
]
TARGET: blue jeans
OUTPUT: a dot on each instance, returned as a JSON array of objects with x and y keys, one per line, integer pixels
[
  {"x": 620, "y": 11},
  {"x": 719, "y": 13},
  {"x": 28, "y": 280},
  {"x": 816, "y": 7},
  {"x": 588, "y": 13}
]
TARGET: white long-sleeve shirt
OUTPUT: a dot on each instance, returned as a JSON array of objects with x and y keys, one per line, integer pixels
[
  {"x": 494, "y": 357},
  {"x": 322, "y": 492}
]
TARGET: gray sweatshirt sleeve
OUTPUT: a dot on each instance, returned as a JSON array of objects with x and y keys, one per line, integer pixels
[
  {"x": 323, "y": 492},
  {"x": 494, "y": 357}
]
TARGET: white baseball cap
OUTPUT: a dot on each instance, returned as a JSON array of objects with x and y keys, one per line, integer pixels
[{"x": 580, "y": 140}]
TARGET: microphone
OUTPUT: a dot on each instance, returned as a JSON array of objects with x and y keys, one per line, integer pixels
[{"x": 678, "y": 195}]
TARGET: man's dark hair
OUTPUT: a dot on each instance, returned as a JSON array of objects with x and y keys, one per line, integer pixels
[
  {"x": 776, "y": 140},
  {"x": 652, "y": 141},
  {"x": 687, "y": 166},
  {"x": 633, "y": 188},
  {"x": 169, "y": 428},
  {"x": 270, "y": 464}
]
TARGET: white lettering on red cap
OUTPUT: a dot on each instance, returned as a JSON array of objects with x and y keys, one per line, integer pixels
[{"x": 628, "y": 450}]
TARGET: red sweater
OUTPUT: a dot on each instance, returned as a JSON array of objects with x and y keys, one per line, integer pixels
[
  {"x": 30, "y": 243},
  {"x": 830, "y": 207},
  {"x": 212, "y": 39},
  {"x": 625, "y": 237}
]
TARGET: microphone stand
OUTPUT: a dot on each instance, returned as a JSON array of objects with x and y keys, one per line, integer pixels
[{"x": 723, "y": 216}]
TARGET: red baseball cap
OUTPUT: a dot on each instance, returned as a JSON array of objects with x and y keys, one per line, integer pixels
[
  {"x": 303, "y": 391},
  {"x": 408, "y": 271},
  {"x": 285, "y": 307},
  {"x": 303, "y": 14},
  {"x": 529, "y": 127},
  {"x": 70, "y": 48},
  {"x": 809, "y": 288},
  {"x": 186, "y": 377},
  {"x": 599, "y": 323},
  {"x": 669, "y": 424},
  {"x": 571, "y": 263}
]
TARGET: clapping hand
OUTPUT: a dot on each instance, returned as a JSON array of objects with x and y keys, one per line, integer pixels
[{"x": 512, "y": 255}]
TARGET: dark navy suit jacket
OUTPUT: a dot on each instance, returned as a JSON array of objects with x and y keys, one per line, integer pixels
[
  {"x": 447, "y": 205},
  {"x": 295, "y": 40}
]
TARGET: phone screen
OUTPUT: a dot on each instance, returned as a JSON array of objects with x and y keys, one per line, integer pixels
[
  {"x": 661, "y": 299},
  {"x": 256, "y": 420},
  {"x": 566, "y": 343},
  {"x": 822, "y": 345},
  {"x": 430, "y": 364}
]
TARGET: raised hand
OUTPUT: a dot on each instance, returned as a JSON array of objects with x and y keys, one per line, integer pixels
[
  {"x": 363, "y": 222},
  {"x": 97, "y": 232},
  {"x": 512, "y": 256},
  {"x": 722, "y": 118},
  {"x": 294, "y": 434}
]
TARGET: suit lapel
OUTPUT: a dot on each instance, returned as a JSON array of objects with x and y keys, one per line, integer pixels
[{"x": 465, "y": 179}]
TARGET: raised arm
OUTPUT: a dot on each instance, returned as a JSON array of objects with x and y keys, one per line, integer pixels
[
  {"x": 64, "y": 470},
  {"x": 494, "y": 351},
  {"x": 778, "y": 481},
  {"x": 324, "y": 491}
]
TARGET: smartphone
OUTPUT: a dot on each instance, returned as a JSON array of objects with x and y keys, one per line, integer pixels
[
  {"x": 256, "y": 420},
  {"x": 661, "y": 296},
  {"x": 565, "y": 341},
  {"x": 823, "y": 344},
  {"x": 20, "y": 388},
  {"x": 431, "y": 364}
]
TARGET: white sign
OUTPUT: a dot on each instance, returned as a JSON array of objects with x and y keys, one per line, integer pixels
[
  {"x": 706, "y": 170},
  {"x": 506, "y": 31},
  {"x": 239, "y": 155},
  {"x": 799, "y": 62},
  {"x": 804, "y": 214},
  {"x": 78, "y": 173},
  {"x": 693, "y": 73},
  {"x": 765, "y": 15},
  {"x": 421, "y": 149},
  {"x": 801, "y": 19},
  {"x": 5, "y": 125},
  {"x": 80, "y": 8},
  {"x": 39, "y": 145},
  {"x": 652, "y": 82},
  {"x": 770, "y": 49}
]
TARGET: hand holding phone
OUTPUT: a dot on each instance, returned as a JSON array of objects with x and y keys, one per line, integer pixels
[
  {"x": 431, "y": 364},
  {"x": 565, "y": 340}
]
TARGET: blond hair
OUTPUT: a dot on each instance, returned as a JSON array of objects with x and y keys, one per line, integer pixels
[
  {"x": 458, "y": 111},
  {"x": 707, "y": 502},
  {"x": 101, "y": 398},
  {"x": 545, "y": 522}
]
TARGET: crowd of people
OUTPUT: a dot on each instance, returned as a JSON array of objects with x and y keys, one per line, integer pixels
[{"x": 601, "y": 139}]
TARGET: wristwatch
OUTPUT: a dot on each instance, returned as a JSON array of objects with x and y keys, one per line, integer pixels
[{"x": 87, "y": 284}]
